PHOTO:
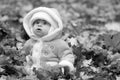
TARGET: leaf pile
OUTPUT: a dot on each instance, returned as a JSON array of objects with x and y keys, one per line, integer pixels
[{"x": 91, "y": 30}]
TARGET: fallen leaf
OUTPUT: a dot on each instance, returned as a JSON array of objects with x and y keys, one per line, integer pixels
[
  {"x": 87, "y": 63},
  {"x": 113, "y": 26},
  {"x": 118, "y": 78}
]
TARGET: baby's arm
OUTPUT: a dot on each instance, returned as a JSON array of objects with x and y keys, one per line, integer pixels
[
  {"x": 27, "y": 47},
  {"x": 66, "y": 56},
  {"x": 26, "y": 51}
]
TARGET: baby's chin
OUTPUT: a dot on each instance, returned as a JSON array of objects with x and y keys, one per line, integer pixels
[{"x": 39, "y": 34}]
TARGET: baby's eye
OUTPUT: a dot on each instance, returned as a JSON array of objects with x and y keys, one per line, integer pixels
[
  {"x": 46, "y": 23},
  {"x": 37, "y": 22}
]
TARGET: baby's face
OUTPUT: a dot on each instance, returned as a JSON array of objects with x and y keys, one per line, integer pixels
[{"x": 41, "y": 27}]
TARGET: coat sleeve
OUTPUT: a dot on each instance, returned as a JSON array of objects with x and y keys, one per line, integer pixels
[
  {"x": 66, "y": 55},
  {"x": 27, "y": 47}
]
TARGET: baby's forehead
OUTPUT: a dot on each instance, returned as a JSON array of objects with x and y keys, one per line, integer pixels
[{"x": 40, "y": 20}]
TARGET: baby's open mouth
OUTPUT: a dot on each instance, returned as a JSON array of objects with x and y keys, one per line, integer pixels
[{"x": 38, "y": 29}]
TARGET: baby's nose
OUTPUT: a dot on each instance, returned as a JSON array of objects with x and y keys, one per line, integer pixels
[{"x": 40, "y": 24}]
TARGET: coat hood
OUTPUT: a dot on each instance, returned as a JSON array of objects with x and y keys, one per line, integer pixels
[{"x": 49, "y": 14}]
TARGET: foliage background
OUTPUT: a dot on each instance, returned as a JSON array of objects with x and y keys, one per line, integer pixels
[{"x": 88, "y": 25}]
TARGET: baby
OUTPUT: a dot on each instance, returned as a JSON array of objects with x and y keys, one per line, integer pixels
[{"x": 44, "y": 27}]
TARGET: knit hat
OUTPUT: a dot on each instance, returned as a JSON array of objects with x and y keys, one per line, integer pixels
[{"x": 49, "y": 14}]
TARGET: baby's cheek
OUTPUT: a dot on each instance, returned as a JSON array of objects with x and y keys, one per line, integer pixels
[{"x": 34, "y": 28}]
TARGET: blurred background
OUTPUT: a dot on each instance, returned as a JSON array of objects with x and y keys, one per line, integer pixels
[
  {"x": 85, "y": 23},
  {"x": 75, "y": 14}
]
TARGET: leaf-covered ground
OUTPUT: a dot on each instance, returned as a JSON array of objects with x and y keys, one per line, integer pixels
[{"x": 92, "y": 30}]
